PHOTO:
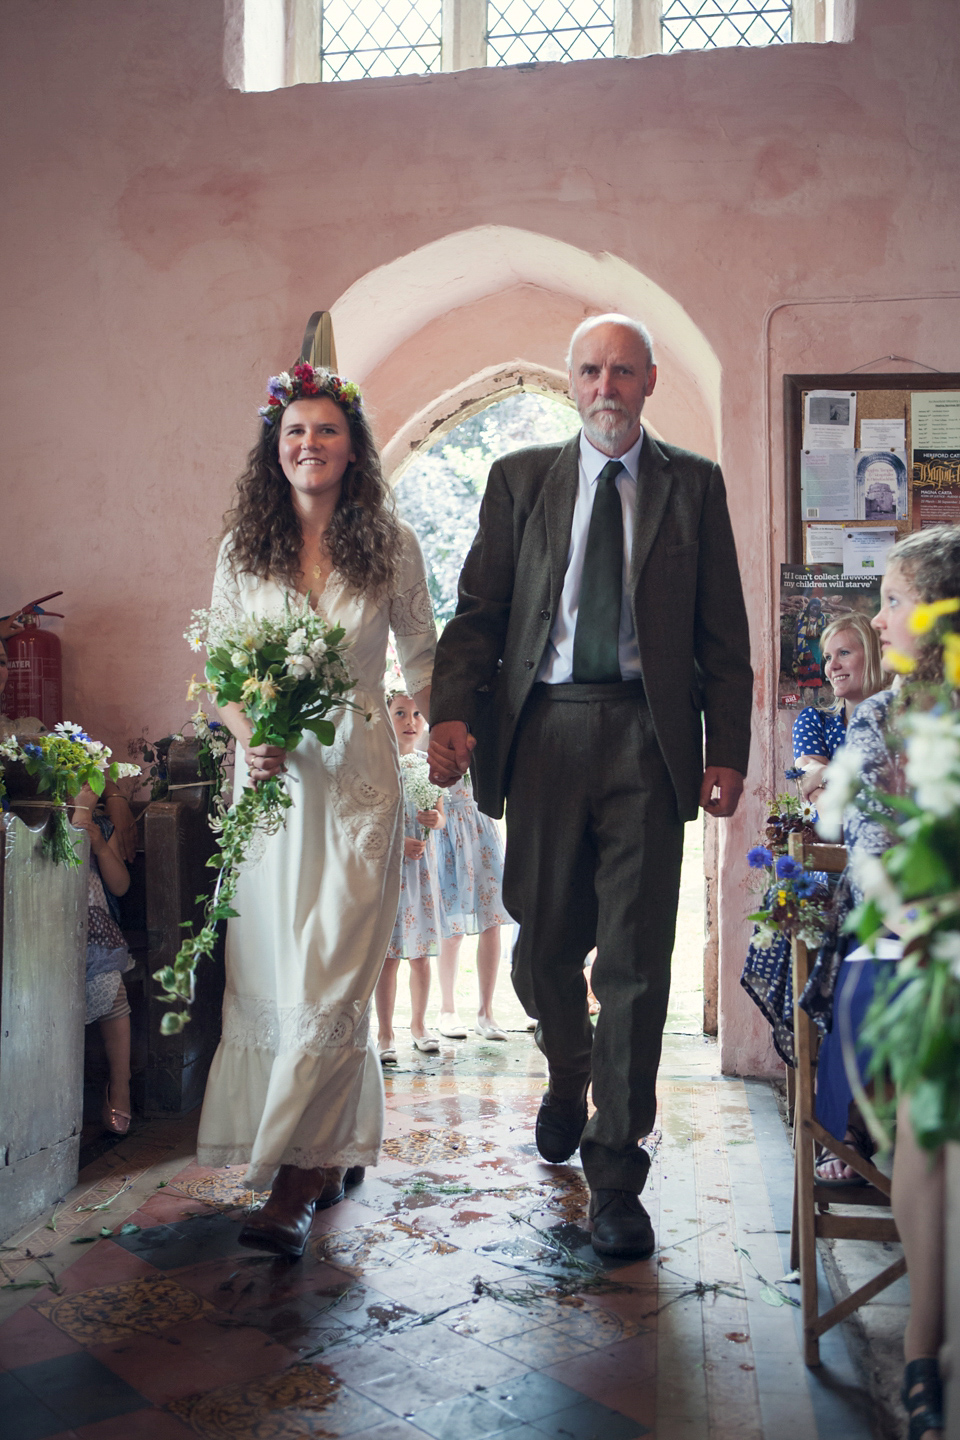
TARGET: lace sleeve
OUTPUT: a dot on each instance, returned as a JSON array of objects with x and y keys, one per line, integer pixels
[
  {"x": 411, "y": 617},
  {"x": 225, "y": 603}
]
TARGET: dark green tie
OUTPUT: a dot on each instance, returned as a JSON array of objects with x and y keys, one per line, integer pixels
[{"x": 597, "y": 634}]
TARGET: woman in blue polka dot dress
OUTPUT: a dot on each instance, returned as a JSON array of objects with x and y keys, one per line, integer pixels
[{"x": 851, "y": 660}]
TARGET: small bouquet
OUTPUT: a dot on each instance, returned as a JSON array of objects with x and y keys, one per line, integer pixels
[
  {"x": 287, "y": 673},
  {"x": 417, "y": 785},
  {"x": 795, "y": 899},
  {"x": 913, "y": 890},
  {"x": 65, "y": 761}
]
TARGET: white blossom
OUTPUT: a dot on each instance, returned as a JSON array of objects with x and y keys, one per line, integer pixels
[
  {"x": 870, "y": 874},
  {"x": 297, "y": 642},
  {"x": 933, "y": 761},
  {"x": 946, "y": 946},
  {"x": 841, "y": 782},
  {"x": 301, "y": 667}
]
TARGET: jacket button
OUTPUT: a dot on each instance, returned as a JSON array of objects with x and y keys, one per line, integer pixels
[
  {"x": 544, "y": 614},
  {"x": 528, "y": 664}
]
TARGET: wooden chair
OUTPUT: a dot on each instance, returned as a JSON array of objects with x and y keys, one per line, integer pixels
[{"x": 812, "y": 1219}]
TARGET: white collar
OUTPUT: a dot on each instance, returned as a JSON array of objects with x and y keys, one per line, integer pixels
[{"x": 593, "y": 460}]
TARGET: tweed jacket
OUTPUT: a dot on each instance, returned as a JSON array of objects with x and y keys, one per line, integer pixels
[{"x": 687, "y": 604}]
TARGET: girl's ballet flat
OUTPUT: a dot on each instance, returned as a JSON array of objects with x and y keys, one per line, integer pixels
[
  {"x": 488, "y": 1031},
  {"x": 452, "y": 1026}
]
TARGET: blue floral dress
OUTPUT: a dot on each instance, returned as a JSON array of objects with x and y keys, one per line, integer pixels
[
  {"x": 417, "y": 931},
  {"x": 768, "y": 972},
  {"x": 470, "y": 860},
  {"x": 864, "y": 833}
]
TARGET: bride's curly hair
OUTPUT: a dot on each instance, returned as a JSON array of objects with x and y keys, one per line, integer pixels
[{"x": 363, "y": 538}]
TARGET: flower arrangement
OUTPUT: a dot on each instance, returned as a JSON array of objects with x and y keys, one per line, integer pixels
[
  {"x": 913, "y": 891},
  {"x": 795, "y": 898},
  {"x": 417, "y": 785},
  {"x": 307, "y": 383},
  {"x": 64, "y": 761},
  {"x": 286, "y": 673}
]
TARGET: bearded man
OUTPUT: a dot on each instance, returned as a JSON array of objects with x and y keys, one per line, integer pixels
[{"x": 600, "y": 632}]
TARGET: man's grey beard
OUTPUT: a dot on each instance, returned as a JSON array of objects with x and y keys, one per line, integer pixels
[{"x": 602, "y": 437}]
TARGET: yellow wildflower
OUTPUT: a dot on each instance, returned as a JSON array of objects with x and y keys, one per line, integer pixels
[
  {"x": 249, "y": 687},
  {"x": 782, "y": 896},
  {"x": 924, "y": 617},
  {"x": 951, "y": 658},
  {"x": 896, "y": 660},
  {"x": 268, "y": 691},
  {"x": 195, "y": 688}
]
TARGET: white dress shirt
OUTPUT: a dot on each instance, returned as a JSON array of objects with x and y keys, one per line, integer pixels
[{"x": 556, "y": 668}]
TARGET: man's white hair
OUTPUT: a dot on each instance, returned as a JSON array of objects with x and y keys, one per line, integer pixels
[{"x": 637, "y": 326}]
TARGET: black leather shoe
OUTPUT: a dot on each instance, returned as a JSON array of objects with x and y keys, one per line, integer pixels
[
  {"x": 621, "y": 1226},
  {"x": 559, "y": 1127},
  {"x": 354, "y": 1176}
]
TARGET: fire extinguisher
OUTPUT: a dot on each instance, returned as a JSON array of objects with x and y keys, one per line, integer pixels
[{"x": 35, "y": 686}]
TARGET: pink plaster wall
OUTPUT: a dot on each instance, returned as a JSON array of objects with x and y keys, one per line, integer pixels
[{"x": 165, "y": 238}]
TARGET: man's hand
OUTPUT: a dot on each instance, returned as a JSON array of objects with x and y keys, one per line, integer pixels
[
  {"x": 728, "y": 784},
  {"x": 449, "y": 754}
]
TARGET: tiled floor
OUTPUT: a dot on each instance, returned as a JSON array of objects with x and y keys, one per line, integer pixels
[{"x": 454, "y": 1294}]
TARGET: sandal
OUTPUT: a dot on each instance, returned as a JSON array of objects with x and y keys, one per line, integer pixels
[
  {"x": 857, "y": 1139},
  {"x": 922, "y": 1396},
  {"x": 115, "y": 1122}
]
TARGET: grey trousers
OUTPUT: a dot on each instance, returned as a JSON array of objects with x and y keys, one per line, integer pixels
[{"x": 594, "y": 845}]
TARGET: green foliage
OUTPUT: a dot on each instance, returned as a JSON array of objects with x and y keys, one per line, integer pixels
[{"x": 440, "y": 491}]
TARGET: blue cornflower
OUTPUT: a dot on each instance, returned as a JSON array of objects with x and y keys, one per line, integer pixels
[
  {"x": 805, "y": 886},
  {"x": 794, "y": 774},
  {"x": 788, "y": 868},
  {"x": 33, "y": 750},
  {"x": 759, "y": 857}
]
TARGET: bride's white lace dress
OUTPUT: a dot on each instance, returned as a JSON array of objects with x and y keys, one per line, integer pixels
[{"x": 296, "y": 1079}]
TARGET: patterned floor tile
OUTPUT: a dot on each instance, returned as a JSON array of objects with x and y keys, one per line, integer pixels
[
  {"x": 303, "y": 1400},
  {"x": 111, "y": 1312}
]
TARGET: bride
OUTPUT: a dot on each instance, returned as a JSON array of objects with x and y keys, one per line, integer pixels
[{"x": 295, "y": 1089}]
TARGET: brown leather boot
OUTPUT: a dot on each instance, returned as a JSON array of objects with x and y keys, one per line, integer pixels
[
  {"x": 283, "y": 1225},
  {"x": 332, "y": 1191}
]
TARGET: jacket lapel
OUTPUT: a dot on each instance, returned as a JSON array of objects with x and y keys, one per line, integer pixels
[
  {"x": 654, "y": 483},
  {"x": 559, "y": 498}
]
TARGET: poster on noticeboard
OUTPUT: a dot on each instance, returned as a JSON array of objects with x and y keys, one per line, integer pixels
[{"x": 811, "y": 597}]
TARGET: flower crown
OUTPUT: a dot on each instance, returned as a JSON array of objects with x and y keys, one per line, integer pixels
[{"x": 304, "y": 384}]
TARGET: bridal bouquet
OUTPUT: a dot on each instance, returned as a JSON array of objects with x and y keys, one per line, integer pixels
[
  {"x": 65, "y": 761},
  {"x": 417, "y": 785},
  {"x": 286, "y": 673},
  {"x": 913, "y": 890}
]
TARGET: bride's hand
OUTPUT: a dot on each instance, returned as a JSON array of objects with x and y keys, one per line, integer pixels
[{"x": 265, "y": 761}]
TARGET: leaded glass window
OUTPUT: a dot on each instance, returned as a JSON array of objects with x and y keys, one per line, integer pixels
[
  {"x": 520, "y": 31},
  {"x": 370, "y": 37},
  {"x": 704, "y": 24}
]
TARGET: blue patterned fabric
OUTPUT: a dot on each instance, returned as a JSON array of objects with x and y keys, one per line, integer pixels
[{"x": 818, "y": 732}]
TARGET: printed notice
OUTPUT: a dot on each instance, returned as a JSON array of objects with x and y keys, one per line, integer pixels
[
  {"x": 936, "y": 488},
  {"x": 935, "y": 420},
  {"x": 811, "y": 596},
  {"x": 824, "y": 544},
  {"x": 883, "y": 435},
  {"x": 865, "y": 549},
  {"x": 827, "y": 485},
  {"x": 829, "y": 419},
  {"x": 881, "y": 485}
]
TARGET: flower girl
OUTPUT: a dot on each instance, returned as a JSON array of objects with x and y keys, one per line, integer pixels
[{"x": 417, "y": 931}]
